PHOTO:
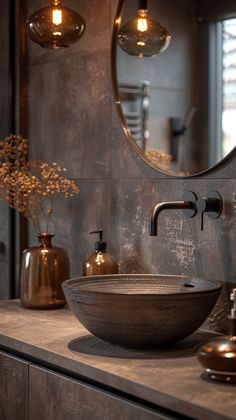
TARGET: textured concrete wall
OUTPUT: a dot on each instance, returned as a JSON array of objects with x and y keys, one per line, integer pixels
[
  {"x": 5, "y": 123},
  {"x": 72, "y": 120}
]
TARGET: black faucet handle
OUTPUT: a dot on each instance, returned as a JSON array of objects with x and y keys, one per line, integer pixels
[{"x": 211, "y": 204}]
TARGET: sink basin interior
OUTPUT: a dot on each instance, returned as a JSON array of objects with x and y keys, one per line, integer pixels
[{"x": 137, "y": 284}]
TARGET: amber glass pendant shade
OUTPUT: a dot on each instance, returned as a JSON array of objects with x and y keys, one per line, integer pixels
[
  {"x": 143, "y": 36},
  {"x": 55, "y": 26}
]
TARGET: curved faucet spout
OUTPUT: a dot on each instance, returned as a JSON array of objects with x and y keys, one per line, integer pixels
[{"x": 167, "y": 205}]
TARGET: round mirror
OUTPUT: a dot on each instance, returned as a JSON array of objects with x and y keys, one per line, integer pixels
[{"x": 174, "y": 73}]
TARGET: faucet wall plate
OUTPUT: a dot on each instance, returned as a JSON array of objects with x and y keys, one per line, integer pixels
[
  {"x": 190, "y": 196},
  {"x": 211, "y": 204}
]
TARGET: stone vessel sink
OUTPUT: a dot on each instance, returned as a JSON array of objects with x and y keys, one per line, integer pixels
[{"x": 141, "y": 310}]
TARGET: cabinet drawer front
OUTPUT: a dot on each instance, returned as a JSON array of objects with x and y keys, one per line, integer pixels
[
  {"x": 57, "y": 397},
  {"x": 13, "y": 388}
]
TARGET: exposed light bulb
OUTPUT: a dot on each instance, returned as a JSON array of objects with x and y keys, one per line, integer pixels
[
  {"x": 142, "y": 24},
  {"x": 56, "y": 16}
]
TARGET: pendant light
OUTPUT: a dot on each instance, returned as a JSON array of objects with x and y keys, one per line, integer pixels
[
  {"x": 55, "y": 26},
  {"x": 143, "y": 36}
]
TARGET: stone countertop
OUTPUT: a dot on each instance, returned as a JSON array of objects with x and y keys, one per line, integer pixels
[{"x": 169, "y": 378}]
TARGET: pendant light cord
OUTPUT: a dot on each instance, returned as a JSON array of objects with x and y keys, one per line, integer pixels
[{"x": 143, "y": 5}]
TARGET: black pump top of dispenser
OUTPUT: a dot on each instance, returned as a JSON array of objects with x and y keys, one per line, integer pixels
[{"x": 100, "y": 245}]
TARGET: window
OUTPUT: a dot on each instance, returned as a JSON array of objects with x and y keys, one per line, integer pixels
[
  {"x": 228, "y": 85},
  {"x": 222, "y": 88}
]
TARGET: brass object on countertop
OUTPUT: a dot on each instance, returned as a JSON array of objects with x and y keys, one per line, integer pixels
[
  {"x": 219, "y": 355},
  {"x": 44, "y": 267}
]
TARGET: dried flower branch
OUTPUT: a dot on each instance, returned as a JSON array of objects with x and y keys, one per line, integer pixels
[{"x": 30, "y": 187}]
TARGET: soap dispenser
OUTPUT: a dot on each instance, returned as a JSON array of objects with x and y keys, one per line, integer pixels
[
  {"x": 218, "y": 356},
  {"x": 100, "y": 262}
]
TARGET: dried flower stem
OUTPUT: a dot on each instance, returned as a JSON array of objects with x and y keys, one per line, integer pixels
[{"x": 31, "y": 187}]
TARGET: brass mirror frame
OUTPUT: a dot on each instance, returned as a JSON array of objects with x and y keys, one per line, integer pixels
[{"x": 125, "y": 128}]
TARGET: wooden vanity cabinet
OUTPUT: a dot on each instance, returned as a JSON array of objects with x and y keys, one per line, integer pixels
[
  {"x": 31, "y": 392},
  {"x": 13, "y": 388},
  {"x": 56, "y": 397}
]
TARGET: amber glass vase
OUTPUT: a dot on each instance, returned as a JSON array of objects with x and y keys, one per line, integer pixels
[{"x": 44, "y": 267}]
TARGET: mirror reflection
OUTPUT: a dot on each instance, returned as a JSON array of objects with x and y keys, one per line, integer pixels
[{"x": 179, "y": 105}]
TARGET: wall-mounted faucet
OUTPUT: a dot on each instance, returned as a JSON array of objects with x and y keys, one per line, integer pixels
[
  {"x": 187, "y": 204},
  {"x": 211, "y": 204}
]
